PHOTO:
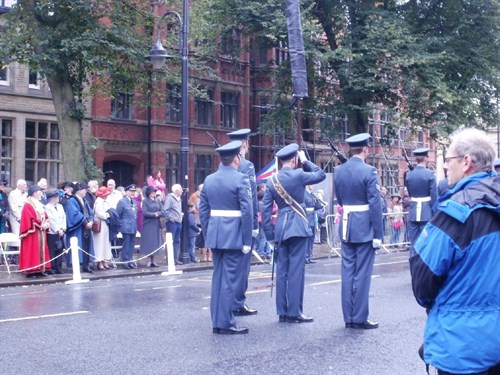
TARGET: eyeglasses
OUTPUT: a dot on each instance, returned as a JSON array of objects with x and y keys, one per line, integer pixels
[{"x": 447, "y": 160}]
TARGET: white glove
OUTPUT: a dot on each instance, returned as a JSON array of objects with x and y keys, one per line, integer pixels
[
  {"x": 246, "y": 249},
  {"x": 376, "y": 243},
  {"x": 302, "y": 156},
  {"x": 255, "y": 232}
]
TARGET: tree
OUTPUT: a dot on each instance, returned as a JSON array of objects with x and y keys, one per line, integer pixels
[
  {"x": 68, "y": 42},
  {"x": 432, "y": 63}
]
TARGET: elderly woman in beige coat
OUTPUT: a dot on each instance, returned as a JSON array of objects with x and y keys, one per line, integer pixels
[{"x": 102, "y": 244}]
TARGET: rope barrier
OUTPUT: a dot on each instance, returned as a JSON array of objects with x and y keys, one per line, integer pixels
[{"x": 65, "y": 251}]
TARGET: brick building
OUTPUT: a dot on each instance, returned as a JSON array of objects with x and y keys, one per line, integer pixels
[{"x": 134, "y": 140}]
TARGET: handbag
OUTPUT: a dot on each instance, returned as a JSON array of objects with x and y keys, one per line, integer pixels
[
  {"x": 398, "y": 224},
  {"x": 96, "y": 225}
]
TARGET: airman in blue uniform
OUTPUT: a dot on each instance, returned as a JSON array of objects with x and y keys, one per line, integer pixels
[
  {"x": 127, "y": 211},
  {"x": 291, "y": 232},
  {"x": 361, "y": 230},
  {"x": 240, "y": 307},
  {"x": 226, "y": 219},
  {"x": 422, "y": 189},
  {"x": 312, "y": 204}
]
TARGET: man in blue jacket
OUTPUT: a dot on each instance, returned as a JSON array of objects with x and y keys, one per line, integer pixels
[
  {"x": 361, "y": 230},
  {"x": 455, "y": 271},
  {"x": 226, "y": 219},
  {"x": 291, "y": 232}
]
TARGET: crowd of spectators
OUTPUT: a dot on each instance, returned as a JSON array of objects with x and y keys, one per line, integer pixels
[{"x": 109, "y": 221}]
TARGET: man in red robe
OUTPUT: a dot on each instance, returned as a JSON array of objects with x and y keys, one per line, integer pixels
[{"x": 34, "y": 254}]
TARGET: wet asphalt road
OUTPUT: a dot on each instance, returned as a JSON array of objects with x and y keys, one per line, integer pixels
[{"x": 161, "y": 325}]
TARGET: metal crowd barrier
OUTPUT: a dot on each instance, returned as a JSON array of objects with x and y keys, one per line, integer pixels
[{"x": 395, "y": 236}]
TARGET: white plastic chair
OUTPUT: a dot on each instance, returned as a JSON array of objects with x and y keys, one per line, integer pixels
[{"x": 6, "y": 240}]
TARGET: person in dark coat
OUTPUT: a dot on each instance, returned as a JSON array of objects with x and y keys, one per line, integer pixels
[
  {"x": 226, "y": 219},
  {"x": 291, "y": 232},
  {"x": 151, "y": 231},
  {"x": 361, "y": 230},
  {"x": 127, "y": 211},
  {"x": 194, "y": 231},
  {"x": 422, "y": 188},
  {"x": 79, "y": 218}
]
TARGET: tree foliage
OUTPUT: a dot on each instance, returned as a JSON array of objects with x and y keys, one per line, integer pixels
[
  {"x": 69, "y": 41},
  {"x": 431, "y": 63}
]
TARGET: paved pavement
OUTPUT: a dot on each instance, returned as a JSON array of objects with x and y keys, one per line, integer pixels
[{"x": 15, "y": 278}]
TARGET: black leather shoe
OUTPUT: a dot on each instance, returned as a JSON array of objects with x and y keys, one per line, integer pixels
[
  {"x": 299, "y": 319},
  {"x": 231, "y": 330},
  {"x": 132, "y": 266},
  {"x": 244, "y": 311},
  {"x": 365, "y": 325},
  {"x": 348, "y": 325},
  {"x": 44, "y": 274},
  {"x": 282, "y": 319},
  {"x": 126, "y": 267},
  {"x": 87, "y": 270},
  {"x": 154, "y": 265}
]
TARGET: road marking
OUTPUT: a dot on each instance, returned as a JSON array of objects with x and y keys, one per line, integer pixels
[
  {"x": 43, "y": 316},
  {"x": 387, "y": 263},
  {"x": 337, "y": 281},
  {"x": 167, "y": 287},
  {"x": 326, "y": 282},
  {"x": 23, "y": 293}
]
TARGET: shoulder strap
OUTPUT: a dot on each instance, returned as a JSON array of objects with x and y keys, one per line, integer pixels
[{"x": 294, "y": 205}]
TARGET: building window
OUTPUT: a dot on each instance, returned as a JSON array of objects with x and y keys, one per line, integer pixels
[
  {"x": 229, "y": 110},
  {"x": 281, "y": 53},
  {"x": 230, "y": 43},
  {"x": 390, "y": 177},
  {"x": 204, "y": 108},
  {"x": 174, "y": 103},
  {"x": 4, "y": 75},
  {"x": 172, "y": 161},
  {"x": 122, "y": 104},
  {"x": 262, "y": 110},
  {"x": 6, "y": 150},
  {"x": 33, "y": 80},
  {"x": 42, "y": 152},
  {"x": 203, "y": 166}
]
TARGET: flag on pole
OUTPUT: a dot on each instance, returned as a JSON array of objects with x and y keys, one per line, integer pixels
[{"x": 267, "y": 171}]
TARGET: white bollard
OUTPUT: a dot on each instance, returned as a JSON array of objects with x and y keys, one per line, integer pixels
[
  {"x": 75, "y": 259},
  {"x": 169, "y": 242}
]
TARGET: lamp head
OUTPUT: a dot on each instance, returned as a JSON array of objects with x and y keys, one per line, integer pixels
[{"x": 158, "y": 55}]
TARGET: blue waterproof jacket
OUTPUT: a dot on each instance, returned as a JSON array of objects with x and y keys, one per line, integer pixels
[{"x": 456, "y": 276}]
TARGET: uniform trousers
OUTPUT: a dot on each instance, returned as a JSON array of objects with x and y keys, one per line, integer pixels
[
  {"x": 128, "y": 246},
  {"x": 414, "y": 230},
  {"x": 242, "y": 281},
  {"x": 310, "y": 244},
  {"x": 227, "y": 263},
  {"x": 357, "y": 268},
  {"x": 290, "y": 270}
]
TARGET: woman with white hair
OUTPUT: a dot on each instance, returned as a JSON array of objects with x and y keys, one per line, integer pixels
[{"x": 173, "y": 215}]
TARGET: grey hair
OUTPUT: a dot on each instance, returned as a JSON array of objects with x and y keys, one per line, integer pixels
[{"x": 476, "y": 144}]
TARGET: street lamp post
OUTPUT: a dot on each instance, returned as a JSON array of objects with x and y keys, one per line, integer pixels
[{"x": 158, "y": 55}]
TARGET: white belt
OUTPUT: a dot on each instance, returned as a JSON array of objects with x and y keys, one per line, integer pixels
[
  {"x": 419, "y": 202},
  {"x": 226, "y": 213},
  {"x": 310, "y": 209},
  {"x": 347, "y": 209}
]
